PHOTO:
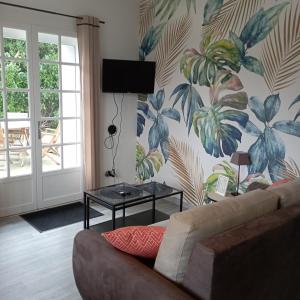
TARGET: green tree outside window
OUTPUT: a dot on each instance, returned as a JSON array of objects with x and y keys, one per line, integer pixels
[{"x": 16, "y": 76}]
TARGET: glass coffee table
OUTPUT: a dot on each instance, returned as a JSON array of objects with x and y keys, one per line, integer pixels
[{"x": 121, "y": 196}]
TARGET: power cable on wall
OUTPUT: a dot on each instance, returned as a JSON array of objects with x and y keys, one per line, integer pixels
[{"x": 109, "y": 141}]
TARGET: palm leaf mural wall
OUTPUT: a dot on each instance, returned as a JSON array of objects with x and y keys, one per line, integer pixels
[
  {"x": 289, "y": 169},
  {"x": 165, "y": 9},
  {"x": 201, "y": 83},
  {"x": 188, "y": 169},
  {"x": 281, "y": 51},
  {"x": 231, "y": 16},
  {"x": 147, "y": 15},
  {"x": 169, "y": 48}
]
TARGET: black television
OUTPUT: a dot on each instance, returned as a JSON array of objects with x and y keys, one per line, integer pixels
[{"x": 127, "y": 76}]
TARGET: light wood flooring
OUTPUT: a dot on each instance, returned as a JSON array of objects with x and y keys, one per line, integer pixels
[{"x": 38, "y": 266}]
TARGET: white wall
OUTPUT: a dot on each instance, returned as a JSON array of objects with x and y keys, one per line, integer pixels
[{"x": 119, "y": 39}]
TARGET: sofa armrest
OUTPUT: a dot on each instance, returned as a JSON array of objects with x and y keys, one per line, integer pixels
[
  {"x": 103, "y": 272},
  {"x": 257, "y": 260}
]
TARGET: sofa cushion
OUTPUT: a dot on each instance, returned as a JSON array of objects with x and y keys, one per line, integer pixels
[
  {"x": 289, "y": 193},
  {"x": 189, "y": 227},
  {"x": 143, "y": 241},
  {"x": 280, "y": 182}
]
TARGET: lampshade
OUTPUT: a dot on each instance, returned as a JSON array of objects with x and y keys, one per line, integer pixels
[{"x": 240, "y": 158}]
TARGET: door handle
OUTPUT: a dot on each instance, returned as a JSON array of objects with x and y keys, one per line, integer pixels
[{"x": 39, "y": 130}]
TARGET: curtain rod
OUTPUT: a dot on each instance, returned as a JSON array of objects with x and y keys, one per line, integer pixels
[{"x": 44, "y": 11}]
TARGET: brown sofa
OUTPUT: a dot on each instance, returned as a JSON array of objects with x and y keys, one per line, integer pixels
[{"x": 259, "y": 259}]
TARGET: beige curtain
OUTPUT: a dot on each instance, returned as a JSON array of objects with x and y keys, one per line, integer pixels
[{"x": 89, "y": 53}]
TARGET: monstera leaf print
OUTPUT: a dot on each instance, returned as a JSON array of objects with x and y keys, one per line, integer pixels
[
  {"x": 210, "y": 123},
  {"x": 150, "y": 40},
  {"x": 167, "y": 8},
  {"x": 202, "y": 66},
  {"x": 225, "y": 80},
  {"x": 190, "y": 102},
  {"x": 269, "y": 148},
  {"x": 147, "y": 163},
  {"x": 219, "y": 138},
  {"x": 159, "y": 131}
]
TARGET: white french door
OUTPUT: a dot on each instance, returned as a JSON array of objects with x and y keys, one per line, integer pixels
[
  {"x": 58, "y": 114},
  {"x": 40, "y": 136}
]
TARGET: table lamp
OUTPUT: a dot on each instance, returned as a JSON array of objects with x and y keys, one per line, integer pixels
[{"x": 240, "y": 159}]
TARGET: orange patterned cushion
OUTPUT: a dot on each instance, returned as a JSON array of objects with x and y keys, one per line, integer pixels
[
  {"x": 141, "y": 241},
  {"x": 280, "y": 182}
]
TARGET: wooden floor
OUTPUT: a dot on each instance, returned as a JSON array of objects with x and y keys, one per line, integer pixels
[{"x": 38, "y": 266}]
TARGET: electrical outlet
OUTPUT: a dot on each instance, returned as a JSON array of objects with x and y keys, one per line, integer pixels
[{"x": 111, "y": 173}]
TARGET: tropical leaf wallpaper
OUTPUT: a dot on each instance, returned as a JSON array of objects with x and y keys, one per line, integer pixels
[
  {"x": 227, "y": 79},
  {"x": 189, "y": 173}
]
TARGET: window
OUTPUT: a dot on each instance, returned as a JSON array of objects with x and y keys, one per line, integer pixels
[
  {"x": 57, "y": 99},
  {"x": 15, "y": 139},
  {"x": 60, "y": 101}
]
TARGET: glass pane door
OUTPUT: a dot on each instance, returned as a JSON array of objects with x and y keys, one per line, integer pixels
[
  {"x": 39, "y": 120},
  {"x": 59, "y": 102},
  {"x": 15, "y": 130}
]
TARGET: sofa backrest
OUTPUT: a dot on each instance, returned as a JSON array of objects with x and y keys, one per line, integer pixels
[
  {"x": 258, "y": 260},
  {"x": 288, "y": 193},
  {"x": 187, "y": 228}
]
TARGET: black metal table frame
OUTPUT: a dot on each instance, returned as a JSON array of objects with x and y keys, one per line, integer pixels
[{"x": 134, "y": 202}]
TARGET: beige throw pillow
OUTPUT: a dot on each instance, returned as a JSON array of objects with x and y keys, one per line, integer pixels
[
  {"x": 289, "y": 193},
  {"x": 189, "y": 227}
]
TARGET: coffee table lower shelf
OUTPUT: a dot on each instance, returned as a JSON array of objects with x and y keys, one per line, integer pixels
[
  {"x": 113, "y": 208},
  {"x": 139, "y": 219}
]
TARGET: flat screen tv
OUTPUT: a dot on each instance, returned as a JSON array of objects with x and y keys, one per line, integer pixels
[{"x": 127, "y": 76}]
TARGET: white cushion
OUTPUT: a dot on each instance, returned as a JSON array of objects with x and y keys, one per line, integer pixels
[{"x": 189, "y": 227}]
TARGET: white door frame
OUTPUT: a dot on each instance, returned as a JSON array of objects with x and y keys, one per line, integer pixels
[
  {"x": 10, "y": 187},
  {"x": 42, "y": 200},
  {"x": 14, "y": 187}
]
